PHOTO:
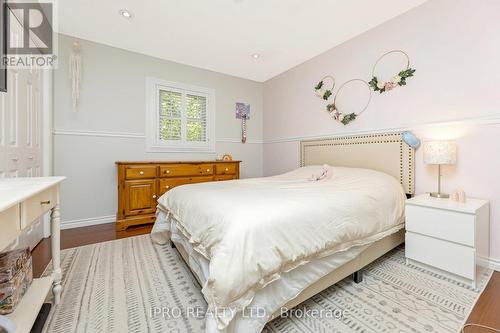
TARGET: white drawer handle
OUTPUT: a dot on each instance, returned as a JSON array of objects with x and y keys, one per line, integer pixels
[
  {"x": 141, "y": 172},
  {"x": 46, "y": 202},
  {"x": 30, "y": 157},
  {"x": 15, "y": 159}
]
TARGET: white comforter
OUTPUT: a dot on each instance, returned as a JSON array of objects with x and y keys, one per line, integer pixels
[{"x": 253, "y": 230}]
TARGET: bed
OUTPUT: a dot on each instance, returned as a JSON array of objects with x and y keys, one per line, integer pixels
[{"x": 268, "y": 244}]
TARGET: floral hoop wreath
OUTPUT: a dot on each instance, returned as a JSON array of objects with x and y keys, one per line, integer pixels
[
  {"x": 346, "y": 118},
  {"x": 397, "y": 80},
  {"x": 320, "y": 90}
]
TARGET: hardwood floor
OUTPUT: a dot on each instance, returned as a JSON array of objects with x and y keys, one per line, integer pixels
[
  {"x": 487, "y": 309},
  {"x": 79, "y": 237},
  {"x": 485, "y": 312}
]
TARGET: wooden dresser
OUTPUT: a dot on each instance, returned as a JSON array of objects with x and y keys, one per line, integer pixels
[{"x": 140, "y": 184}]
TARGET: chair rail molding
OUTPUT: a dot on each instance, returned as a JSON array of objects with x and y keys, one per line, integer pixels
[
  {"x": 479, "y": 121},
  {"x": 130, "y": 135}
]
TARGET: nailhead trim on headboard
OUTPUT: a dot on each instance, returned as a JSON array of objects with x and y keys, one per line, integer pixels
[{"x": 405, "y": 155}]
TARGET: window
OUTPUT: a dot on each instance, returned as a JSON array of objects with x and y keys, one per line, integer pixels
[{"x": 180, "y": 117}]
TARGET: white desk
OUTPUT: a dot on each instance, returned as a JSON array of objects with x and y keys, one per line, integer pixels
[{"x": 23, "y": 201}]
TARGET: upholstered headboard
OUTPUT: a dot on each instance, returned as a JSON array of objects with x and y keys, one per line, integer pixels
[{"x": 384, "y": 152}]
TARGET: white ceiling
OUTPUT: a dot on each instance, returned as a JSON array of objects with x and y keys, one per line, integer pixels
[{"x": 221, "y": 35}]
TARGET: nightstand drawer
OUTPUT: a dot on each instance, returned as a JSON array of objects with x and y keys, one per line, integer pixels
[
  {"x": 451, "y": 257},
  {"x": 444, "y": 224}
]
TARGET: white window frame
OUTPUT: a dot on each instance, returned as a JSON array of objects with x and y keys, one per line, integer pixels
[{"x": 153, "y": 142}]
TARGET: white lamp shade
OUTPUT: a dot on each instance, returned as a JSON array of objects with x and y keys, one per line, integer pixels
[{"x": 440, "y": 152}]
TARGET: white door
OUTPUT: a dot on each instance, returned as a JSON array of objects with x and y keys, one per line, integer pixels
[{"x": 20, "y": 133}]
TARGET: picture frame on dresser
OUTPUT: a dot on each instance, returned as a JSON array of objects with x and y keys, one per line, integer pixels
[
  {"x": 449, "y": 236},
  {"x": 141, "y": 183}
]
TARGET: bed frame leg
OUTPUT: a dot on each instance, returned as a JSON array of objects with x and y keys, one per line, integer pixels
[{"x": 358, "y": 276}]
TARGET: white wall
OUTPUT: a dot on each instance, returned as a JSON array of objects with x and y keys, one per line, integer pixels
[
  {"x": 455, "y": 49},
  {"x": 110, "y": 123}
]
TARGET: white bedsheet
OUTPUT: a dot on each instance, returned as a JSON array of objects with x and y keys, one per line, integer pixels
[
  {"x": 269, "y": 299},
  {"x": 254, "y": 231}
]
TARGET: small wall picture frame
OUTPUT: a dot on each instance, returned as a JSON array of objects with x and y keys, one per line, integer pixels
[{"x": 242, "y": 111}]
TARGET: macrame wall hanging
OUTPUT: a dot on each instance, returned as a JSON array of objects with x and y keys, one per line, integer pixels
[{"x": 75, "y": 74}]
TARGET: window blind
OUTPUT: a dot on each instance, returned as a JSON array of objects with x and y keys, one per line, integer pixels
[
  {"x": 183, "y": 116},
  {"x": 196, "y": 118},
  {"x": 170, "y": 121}
]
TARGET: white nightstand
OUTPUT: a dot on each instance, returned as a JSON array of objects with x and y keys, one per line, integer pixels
[{"x": 450, "y": 236}]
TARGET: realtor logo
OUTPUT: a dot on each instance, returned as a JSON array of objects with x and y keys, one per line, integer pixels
[{"x": 29, "y": 34}]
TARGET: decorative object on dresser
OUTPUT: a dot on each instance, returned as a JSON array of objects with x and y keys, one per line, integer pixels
[
  {"x": 141, "y": 183},
  {"x": 448, "y": 235},
  {"x": 440, "y": 153},
  {"x": 22, "y": 202}
]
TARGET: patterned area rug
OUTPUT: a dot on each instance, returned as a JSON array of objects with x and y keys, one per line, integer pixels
[{"x": 117, "y": 286}]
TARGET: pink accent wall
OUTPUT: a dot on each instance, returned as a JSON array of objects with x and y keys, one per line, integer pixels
[{"x": 454, "y": 46}]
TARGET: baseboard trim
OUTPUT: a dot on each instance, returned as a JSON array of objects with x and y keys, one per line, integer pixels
[
  {"x": 494, "y": 264},
  {"x": 87, "y": 222}
]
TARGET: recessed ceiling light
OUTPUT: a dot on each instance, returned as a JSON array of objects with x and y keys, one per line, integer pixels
[
  {"x": 256, "y": 56},
  {"x": 125, "y": 13}
]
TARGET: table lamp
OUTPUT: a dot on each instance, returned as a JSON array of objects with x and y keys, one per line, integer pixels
[{"x": 440, "y": 153}]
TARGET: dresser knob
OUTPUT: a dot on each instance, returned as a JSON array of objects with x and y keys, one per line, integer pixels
[
  {"x": 141, "y": 172},
  {"x": 154, "y": 196},
  {"x": 167, "y": 186},
  {"x": 227, "y": 169},
  {"x": 208, "y": 170},
  {"x": 168, "y": 171}
]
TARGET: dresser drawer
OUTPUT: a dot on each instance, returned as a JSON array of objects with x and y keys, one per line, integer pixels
[
  {"x": 167, "y": 184},
  {"x": 183, "y": 170},
  {"x": 37, "y": 205},
  {"x": 10, "y": 225},
  {"x": 140, "y": 172},
  {"x": 444, "y": 224},
  {"x": 451, "y": 257},
  {"x": 225, "y": 177},
  {"x": 226, "y": 169}
]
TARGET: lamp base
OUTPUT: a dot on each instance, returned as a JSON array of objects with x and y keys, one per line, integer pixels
[{"x": 439, "y": 195}]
